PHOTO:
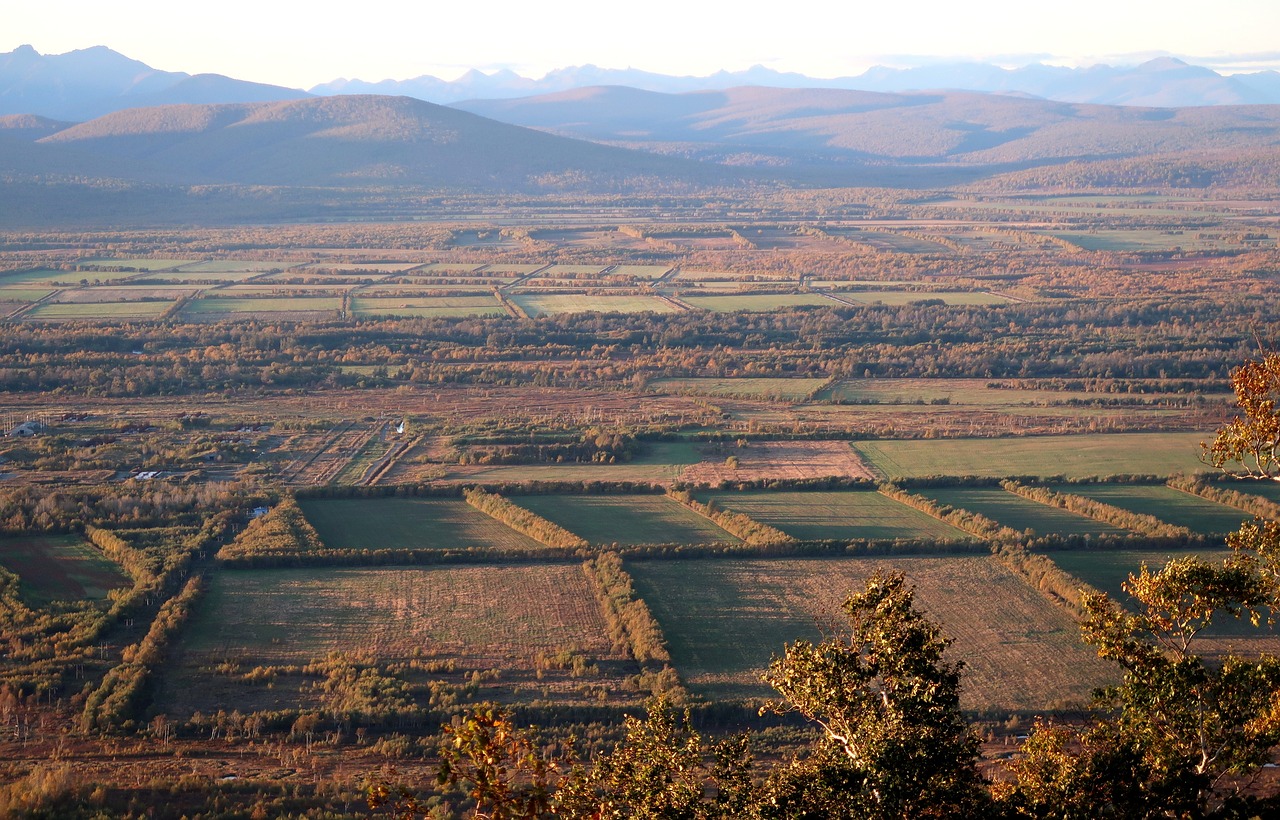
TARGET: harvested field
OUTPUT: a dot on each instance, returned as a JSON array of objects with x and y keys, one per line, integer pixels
[
  {"x": 250, "y": 266},
  {"x": 507, "y": 619},
  {"x": 1072, "y": 456},
  {"x": 98, "y": 295},
  {"x": 545, "y": 304},
  {"x": 59, "y": 567},
  {"x": 136, "y": 264},
  {"x": 408, "y": 523},
  {"x": 725, "y": 619},
  {"x": 1019, "y": 513},
  {"x": 426, "y": 306},
  {"x": 77, "y": 311},
  {"x": 625, "y": 519},
  {"x": 777, "y": 459},
  {"x": 288, "y": 304},
  {"x": 819, "y": 516},
  {"x": 756, "y": 302},
  {"x": 764, "y": 389},
  {"x": 1175, "y": 507}
]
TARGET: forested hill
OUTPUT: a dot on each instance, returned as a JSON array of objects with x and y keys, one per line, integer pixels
[
  {"x": 348, "y": 141},
  {"x": 797, "y": 127}
]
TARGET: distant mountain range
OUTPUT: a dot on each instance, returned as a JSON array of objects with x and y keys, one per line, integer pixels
[
  {"x": 88, "y": 83},
  {"x": 1164, "y": 82}
]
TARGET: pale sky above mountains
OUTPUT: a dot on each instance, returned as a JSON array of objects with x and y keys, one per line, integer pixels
[{"x": 303, "y": 44}]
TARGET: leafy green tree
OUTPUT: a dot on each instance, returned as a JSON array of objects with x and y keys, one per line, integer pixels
[
  {"x": 662, "y": 769},
  {"x": 895, "y": 743}
]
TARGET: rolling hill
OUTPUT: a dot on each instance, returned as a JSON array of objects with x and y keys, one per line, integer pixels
[
  {"x": 799, "y": 127},
  {"x": 350, "y": 141}
]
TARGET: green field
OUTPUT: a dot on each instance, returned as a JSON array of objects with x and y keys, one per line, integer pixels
[
  {"x": 746, "y": 388},
  {"x": 1172, "y": 506},
  {"x": 1019, "y": 513},
  {"x": 1106, "y": 570},
  {"x": 408, "y": 523},
  {"x": 1072, "y": 456},
  {"x": 625, "y": 519},
  {"x": 756, "y": 302},
  {"x": 63, "y": 277},
  {"x": 1144, "y": 240},
  {"x": 639, "y": 271},
  {"x": 235, "y": 266},
  {"x": 1269, "y": 490},
  {"x": 724, "y": 620},
  {"x": 819, "y": 516},
  {"x": 546, "y": 304},
  {"x": 137, "y": 264},
  {"x": 426, "y": 306},
  {"x": 952, "y": 392},
  {"x": 572, "y": 270},
  {"x": 88, "y": 311},
  {"x": 59, "y": 567},
  {"x": 214, "y": 305},
  {"x": 21, "y": 294}
]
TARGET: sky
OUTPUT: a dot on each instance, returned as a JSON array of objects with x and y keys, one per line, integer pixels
[{"x": 300, "y": 44}]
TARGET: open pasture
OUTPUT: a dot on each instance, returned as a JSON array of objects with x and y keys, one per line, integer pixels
[
  {"x": 449, "y": 267},
  {"x": 639, "y": 271},
  {"x": 426, "y": 306},
  {"x": 362, "y": 267},
  {"x": 1071, "y": 456},
  {"x": 661, "y": 462},
  {"x": 545, "y": 304},
  {"x": 249, "y": 266},
  {"x": 408, "y": 523},
  {"x": 211, "y": 306},
  {"x": 90, "y": 311},
  {"x": 625, "y": 519},
  {"x": 819, "y": 516},
  {"x": 1149, "y": 240},
  {"x": 1107, "y": 570},
  {"x": 1199, "y": 515},
  {"x": 59, "y": 567},
  {"x": 952, "y": 392},
  {"x": 98, "y": 295},
  {"x": 137, "y": 264},
  {"x": 891, "y": 242},
  {"x": 587, "y": 271},
  {"x": 17, "y": 293},
  {"x": 764, "y": 389},
  {"x": 756, "y": 302},
  {"x": 212, "y": 277},
  {"x": 69, "y": 278},
  {"x": 725, "y": 619},
  {"x": 1019, "y": 513}
]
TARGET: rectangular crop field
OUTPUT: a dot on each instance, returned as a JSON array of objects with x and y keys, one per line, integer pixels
[
  {"x": 408, "y": 523},
  {"x": 1019, "y": 513},
  {"x": 625, "y": 519},
  {"x": 545, "y": 304},
  {"x": 573, "y": 270},
  {"x": 21, "y": 294},
  {"x": 236, "y": 266},
  {"x": 1073, "y": 456},
  {"x": 1269, "y": 490},
  {"x": 458, "y": 620},
  {"x": 748, "y": 388},
  {"x": 217, "y": 305},
  {"x": 59, "y": 567},
  {"x": 363, "y": 267},
  {"x": 1107, "y": 570},
  {"x": 89, "y": 311},
  {"x": 818, "y": 516},
  {"x": 1197, "y": 514},
  {"x": 640, "y": 271},
  {"x": 757, "y": 302},
  {"x": 426, "y": 306},
  {"x": 725, "y": 619},
  {"x": 951, "y": 392},
  {"x": 449, "y": 267},
  {"x": 137, "y": 264},
  {"x": 63, "y": 277}
]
